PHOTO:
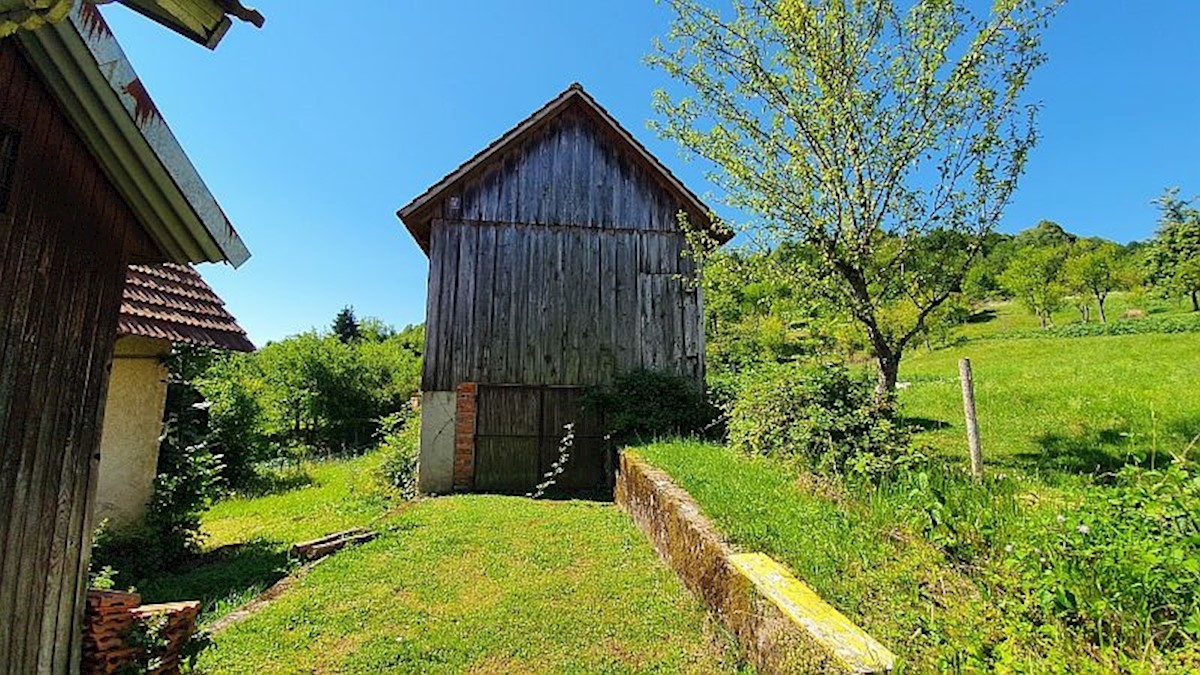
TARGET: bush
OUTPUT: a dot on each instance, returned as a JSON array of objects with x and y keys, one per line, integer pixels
[
  {"x": 188, "y": 478},
  {"x": 819, "y": 414},
  {"x": 1116, "y": 565},
  {"x": 401, "y": 449},
  {"x": 313, "y": 391},
  {"x": 1184, "y": 323},
  {"x": 1122, "y": 567},
  {"x": 236, "y": 420},
  {"x": 644, "y": 405}
]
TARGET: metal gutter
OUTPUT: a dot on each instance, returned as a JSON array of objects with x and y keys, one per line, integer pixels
[{"x": 84, "y": 66}]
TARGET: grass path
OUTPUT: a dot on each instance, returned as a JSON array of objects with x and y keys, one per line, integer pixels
[{"x": 484, "y": 584}]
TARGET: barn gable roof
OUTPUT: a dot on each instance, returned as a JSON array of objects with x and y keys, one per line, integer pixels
[
  {"x": 420, "y": 212},
  {"x": 172, "y": 302}
]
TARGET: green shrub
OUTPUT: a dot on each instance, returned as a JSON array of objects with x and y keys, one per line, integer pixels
[
  {"x": 820, "y": 414},
  {"x": 1123, "y": 565},
  {"x": 236, "y": 419},
  {"x": 401, "y": 449},
  {"x": 1183, "y": 323},
  {"x": 644, "y": 405},
  {"x": 1115, "y": 566},
  {"x": 187, "y": 480},
  {"x": 312, "y": 390}
]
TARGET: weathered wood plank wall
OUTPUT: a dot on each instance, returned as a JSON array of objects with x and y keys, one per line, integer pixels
[
  {"x": 518, "y": 436},
  {"x": 65, "y": 239},
  {"x": 562, "y": 264}
]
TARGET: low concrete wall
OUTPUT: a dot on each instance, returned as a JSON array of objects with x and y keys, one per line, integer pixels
[
  {"x": 435, "y": 475},
  {"x": 137, "y": 394},
  {"x": 782, "y": 630}
]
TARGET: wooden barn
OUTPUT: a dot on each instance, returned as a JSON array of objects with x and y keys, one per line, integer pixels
[
  {"x": 555, "y": 263},
  {"x": 91, "y": 180}
]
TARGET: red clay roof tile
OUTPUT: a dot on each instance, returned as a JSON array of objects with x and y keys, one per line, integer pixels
[{"x": 172, "y": 302}]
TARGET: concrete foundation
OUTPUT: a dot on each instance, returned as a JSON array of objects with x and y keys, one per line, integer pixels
[
  {"x": 137, "y": 394},
  {"x": 435, "y": 474},
  {"x": 781, "y": 623}
]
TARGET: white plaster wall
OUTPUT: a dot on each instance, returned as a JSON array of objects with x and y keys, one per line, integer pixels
[
  {"x": 435, "y": 475},
  {"x": 137, "y": 394}
]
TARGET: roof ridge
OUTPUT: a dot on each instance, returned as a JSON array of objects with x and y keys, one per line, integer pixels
[{"x": 574, "y": 91}]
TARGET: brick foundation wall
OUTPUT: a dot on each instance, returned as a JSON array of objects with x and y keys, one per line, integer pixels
[{"x": 464, "y": 435}]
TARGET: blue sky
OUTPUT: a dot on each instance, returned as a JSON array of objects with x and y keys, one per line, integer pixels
[{"x": 314, "y": 130}]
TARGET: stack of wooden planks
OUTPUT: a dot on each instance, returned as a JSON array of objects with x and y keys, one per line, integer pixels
[{"x": 331, "y": 543}]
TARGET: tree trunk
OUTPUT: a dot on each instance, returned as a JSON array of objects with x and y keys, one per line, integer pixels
[
  {"x": 1042, "y": 319},
  {"x": 889, "y": 372},
  {"x": 1100, "y": 303},
  {"x": 1195, "y": 303}
]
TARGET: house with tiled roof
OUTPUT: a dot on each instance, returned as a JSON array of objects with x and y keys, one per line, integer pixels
[{"x": 162, "y": 306}]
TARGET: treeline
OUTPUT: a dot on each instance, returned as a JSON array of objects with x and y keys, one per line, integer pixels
[
  {"x": 319, "y": 393},
  {"x": 767, "y": 306},
  {"x": 1047, "y": 268}
]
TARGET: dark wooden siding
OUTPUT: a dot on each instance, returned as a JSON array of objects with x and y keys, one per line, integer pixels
[
  {"x": 569, "y": 173},
  {"x": 561, "y": 264},
  {"x": 545, "y": 305},
  {"x": 65, "y": 238},
  {"x": 518, "y": 437}
]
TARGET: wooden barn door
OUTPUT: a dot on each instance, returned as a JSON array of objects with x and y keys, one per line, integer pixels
[{"x": 518, "y": 433}]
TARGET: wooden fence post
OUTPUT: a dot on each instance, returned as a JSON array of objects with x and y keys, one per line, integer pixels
[{"x": 968, "y": 393}]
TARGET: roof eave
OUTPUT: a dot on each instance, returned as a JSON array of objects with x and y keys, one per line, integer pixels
[
  {"x": 101, "y": 94},
  {"x": 204, "y": 21},
  {"x": 414, "y": 218}
]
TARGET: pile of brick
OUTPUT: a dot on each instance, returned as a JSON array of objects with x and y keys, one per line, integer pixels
[{"x": 113, "y": 615}]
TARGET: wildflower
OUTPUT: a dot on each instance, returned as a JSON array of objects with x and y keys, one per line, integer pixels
[
  {"x": 1008, "y": 548},
  {"x": 1083, "y": 529},
  {"x": 1061, "y": 518}
]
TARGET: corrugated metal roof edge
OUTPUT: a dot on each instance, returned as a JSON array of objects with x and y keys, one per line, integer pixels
[{"x": 89, "y": 73}]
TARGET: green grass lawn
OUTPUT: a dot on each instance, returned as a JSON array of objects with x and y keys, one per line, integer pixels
[
  {"x": 862, "y": 561},
  {"x": 258, "y": 531},
  {"x": 1052, "y": 406},
  {"x": 999, "y": 318},
  {"x": 947, "y": 573},
  {"x": 460, "y": 584},
  {"x": 338, "y": 495},
  {"x": 484, "y": 584}
]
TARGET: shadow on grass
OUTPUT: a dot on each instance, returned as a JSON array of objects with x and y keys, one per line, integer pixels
[
  {"x": 220, "y": 579},
  {"x": 919, "y": 424},
  {"x": 1095, "y": 452},
  {"x": 982, "y": 316},
  {"x": 1187, "y": 429},
  {"x": 273, "y": 482}
]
